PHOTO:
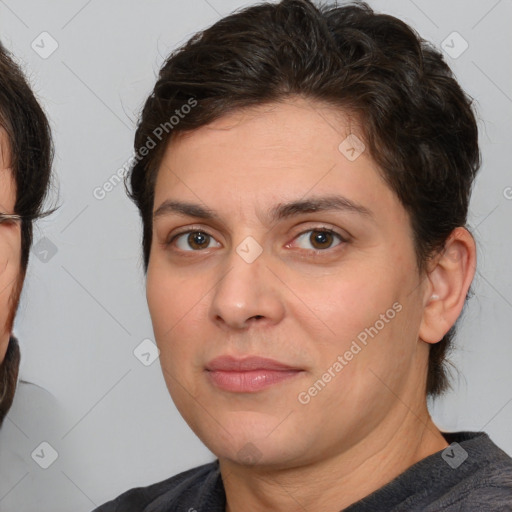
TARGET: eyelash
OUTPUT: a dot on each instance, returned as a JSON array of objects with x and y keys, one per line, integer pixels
[{"x": 320, "y": 229}]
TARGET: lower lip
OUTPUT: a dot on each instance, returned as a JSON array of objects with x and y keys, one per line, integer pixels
[{"x": 249, "y": 381}]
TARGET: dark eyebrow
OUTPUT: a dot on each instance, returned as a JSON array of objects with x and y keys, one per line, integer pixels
[
  {"x": 185, "y": 209},
  {"x": 278, "y": 212},
  {"x": 319, "y": 204}
]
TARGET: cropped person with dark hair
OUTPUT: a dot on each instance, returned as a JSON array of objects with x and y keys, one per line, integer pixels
[
  {"x": 26, "y": 154},
  {"x": 303, "y": 175}
]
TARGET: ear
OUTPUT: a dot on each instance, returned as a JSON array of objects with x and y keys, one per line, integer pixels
[
  {"x": 449, "y": 280},
  {"x": 4, "y": 343}
]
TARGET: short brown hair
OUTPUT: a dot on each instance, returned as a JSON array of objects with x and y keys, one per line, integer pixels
[
  {"x": 31, "y": 148},
  {"x": 417, "y": 122},
  {"x": 31, "y": 155}
]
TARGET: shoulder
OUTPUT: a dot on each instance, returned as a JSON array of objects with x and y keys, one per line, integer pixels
[
  {"x": 489, "y": 495},
  {"x": 483, "y": 481},
  {"x": 472, "y": 474},
  {"x": 185, "y": 491}
]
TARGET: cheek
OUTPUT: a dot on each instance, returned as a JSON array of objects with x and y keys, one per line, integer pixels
[
  {"x": 343, "y": 303},
  {"x": 365, "y": 315},
  {"x": 176, "y": 310},
  {"x": 173, "y": 298},
  {"x": 177, "y": 303},
  {"x": 10, "y": 254},
  {"x": 375, "y": 324}
]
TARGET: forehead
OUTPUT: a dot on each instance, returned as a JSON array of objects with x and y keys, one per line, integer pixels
[
  {"x": 7, "y": 183},
  {"x": 297, "y": 131},
  {"x": 5, "y": 149},
  {"x": 295, "y": 149}
]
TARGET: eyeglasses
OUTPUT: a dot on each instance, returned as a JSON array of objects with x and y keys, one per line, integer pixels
[{"x": 9, "y": 217}]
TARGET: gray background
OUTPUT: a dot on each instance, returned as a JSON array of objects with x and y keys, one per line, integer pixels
[{"x": 83, "y": 313}]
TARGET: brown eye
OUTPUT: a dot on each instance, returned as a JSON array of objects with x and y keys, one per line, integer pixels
[
  {"x": 198, "y": 240},
  {"x": 319, "y": 239},
  {"x": 195, "y": 241}
]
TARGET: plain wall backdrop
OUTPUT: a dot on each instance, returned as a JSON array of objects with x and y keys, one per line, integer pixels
[{"x": 83, "y": 313}]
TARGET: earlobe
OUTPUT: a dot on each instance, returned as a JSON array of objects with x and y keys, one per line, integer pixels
[{"x": 448, "y": 284}]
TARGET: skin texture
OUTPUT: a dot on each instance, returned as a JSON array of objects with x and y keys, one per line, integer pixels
[
  {"x": 300, "y": 306},
  {"x": 10, "y": 249}
]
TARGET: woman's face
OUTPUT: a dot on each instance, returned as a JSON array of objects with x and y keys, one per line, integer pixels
[
  {"x": 10, "y": 248},
  {"x": 273, "y": 239}
]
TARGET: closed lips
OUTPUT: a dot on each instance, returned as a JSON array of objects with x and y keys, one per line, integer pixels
[
  {"x": 248, "y": 375},
  {"x": 233, "y": 364}
]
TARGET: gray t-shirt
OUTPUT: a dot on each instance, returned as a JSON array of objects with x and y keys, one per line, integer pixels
[{"x": 471, "y": 475}]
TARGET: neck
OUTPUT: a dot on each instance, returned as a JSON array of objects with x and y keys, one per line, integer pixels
[{"x": 334, "y": 483}]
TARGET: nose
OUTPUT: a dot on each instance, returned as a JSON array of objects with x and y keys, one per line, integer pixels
[{"x": 249, "y": 293}]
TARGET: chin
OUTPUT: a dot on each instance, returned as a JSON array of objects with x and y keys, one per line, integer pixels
[{"x": 248, "y": 438}]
